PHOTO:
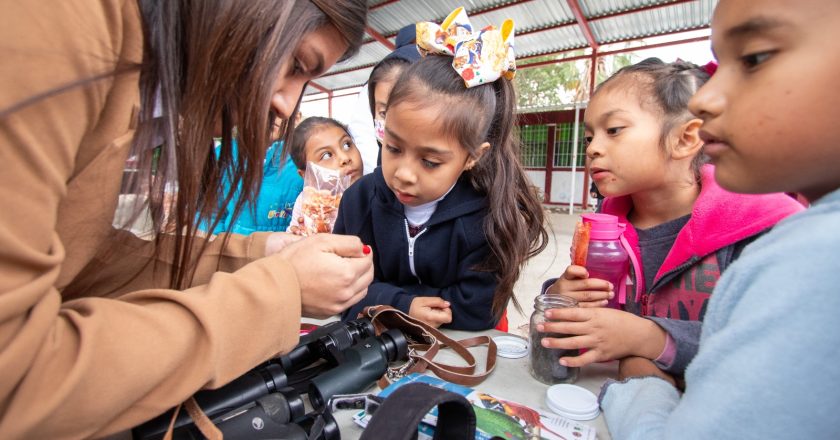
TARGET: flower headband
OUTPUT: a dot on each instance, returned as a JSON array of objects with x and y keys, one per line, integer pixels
[{"x": 479, "y": 57}]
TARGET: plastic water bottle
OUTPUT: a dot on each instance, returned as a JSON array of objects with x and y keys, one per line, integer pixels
[{"x": 606, "y": 259}]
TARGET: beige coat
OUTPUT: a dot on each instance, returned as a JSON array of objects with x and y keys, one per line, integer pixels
[{"x": 82, "y": 353}]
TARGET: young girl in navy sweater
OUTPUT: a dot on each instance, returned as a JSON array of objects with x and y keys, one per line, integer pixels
[{"x": 450, "y": 214}]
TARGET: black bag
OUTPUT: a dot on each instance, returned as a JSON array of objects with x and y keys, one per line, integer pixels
[{"x": 398, "y": 416}]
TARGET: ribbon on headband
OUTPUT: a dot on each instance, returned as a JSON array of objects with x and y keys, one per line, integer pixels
[{"x": 479, "y": 57}]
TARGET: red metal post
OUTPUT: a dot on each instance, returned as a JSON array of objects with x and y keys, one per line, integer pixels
[
  {"x": 329, "y": 103},
  {"x": 549, "y": 160}
]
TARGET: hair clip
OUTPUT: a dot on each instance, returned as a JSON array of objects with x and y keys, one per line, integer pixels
[
  {"x": 711, "y": 67},
  {"x": 479, "y": 57}
]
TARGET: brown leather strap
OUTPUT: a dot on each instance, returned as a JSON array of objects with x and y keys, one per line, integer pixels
[
  {"x": 168, "y": 435},
  {"x": 467, "y": 377},
  {"x": 202, "y": 422},
  {"x": 426, "y": 341}
]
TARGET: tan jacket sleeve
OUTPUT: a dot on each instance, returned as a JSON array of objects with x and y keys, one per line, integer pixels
[{"x": 91, "y": 366}]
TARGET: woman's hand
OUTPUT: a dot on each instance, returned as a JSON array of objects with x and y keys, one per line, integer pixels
[
  {"x": 431, "y": 309},
  {"x": 589, "y": 292},
  {"x": 279, "y": 240},
  {"x": 606, "y": 333},
  {"x": 333, "y": 272},
  {"x": 635, "y": 366}
]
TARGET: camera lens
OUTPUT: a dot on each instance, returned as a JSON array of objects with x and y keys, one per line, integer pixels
[{"x": 395, "y": 344}]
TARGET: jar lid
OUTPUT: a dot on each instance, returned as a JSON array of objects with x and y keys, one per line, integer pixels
[
  {"x": 511, "y": 347},
  {"x": 572, "y": 402}
]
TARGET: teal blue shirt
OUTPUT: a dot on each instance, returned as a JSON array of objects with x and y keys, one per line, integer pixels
[{"x": 272, "y": 210}]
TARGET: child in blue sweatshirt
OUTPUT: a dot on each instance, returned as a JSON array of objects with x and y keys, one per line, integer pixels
[{"x": 450, "y": 214}]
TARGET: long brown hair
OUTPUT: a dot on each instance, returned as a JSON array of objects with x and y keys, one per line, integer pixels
[
  {"x": 514, "y": 225},
  {"x": 211, "y": 62}
]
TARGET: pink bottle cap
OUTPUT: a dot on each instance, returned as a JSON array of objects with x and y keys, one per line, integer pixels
[{"x": 604, "y": 226}]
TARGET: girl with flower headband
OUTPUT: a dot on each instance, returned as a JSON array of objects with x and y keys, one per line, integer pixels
[
  {"x": 683, "y": 230},
  {"x": 450, "y": 214}
]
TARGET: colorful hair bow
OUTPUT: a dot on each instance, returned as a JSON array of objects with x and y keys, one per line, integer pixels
[{"x": 479, "y": 57}]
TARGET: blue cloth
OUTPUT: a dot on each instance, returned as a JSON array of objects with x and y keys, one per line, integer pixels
[
  {"x": 272, "y": 210},
  {"x": 445, "y": 253},
  {"x": 768, "y": 361}
]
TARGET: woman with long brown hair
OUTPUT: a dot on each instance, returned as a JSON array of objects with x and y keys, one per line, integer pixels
[{"x": 99, "y": 329}]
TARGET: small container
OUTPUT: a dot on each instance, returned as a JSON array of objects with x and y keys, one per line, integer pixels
[
  {"x": 511, "y": 347},
  {"x": 545, "y": 362},
  {"x": 572, "y": 402}
]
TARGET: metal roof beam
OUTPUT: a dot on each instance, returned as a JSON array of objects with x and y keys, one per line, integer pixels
[
  {"x": 318, "y": 87},
  {"x": 654, "y": 46},
  {"x": 378, "y": 37},
  {"x": 583, "y": 23},
  {"x": 498, "y": 7},
  {"x": 352, "y": 69},
  {"x": 472, "y": 14},
  {"x": 385, "y": 3},
  {"x": 640, "y": 9}
]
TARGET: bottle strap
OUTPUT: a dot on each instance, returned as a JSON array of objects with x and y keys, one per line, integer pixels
[{"x": 622, "y": 290}]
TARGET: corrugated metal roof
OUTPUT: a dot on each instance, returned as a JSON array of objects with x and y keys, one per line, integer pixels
[
  {"x": 680, "y": 17},
  {"x": 542, "y": 26}
]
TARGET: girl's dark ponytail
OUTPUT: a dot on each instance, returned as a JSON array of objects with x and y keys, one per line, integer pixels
[{"x": 515, "y": 224}]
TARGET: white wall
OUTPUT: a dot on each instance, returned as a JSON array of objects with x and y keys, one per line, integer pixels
[{"x": 560, "y": 186}]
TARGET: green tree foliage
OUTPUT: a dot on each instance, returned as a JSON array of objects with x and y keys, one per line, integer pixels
[{"x": 563, "y": 83}]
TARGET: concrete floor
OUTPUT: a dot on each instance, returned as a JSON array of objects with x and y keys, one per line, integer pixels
[{"x": 549, "y": 263}]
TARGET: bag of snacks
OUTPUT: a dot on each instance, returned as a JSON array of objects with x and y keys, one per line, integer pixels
[{"x": 317, "y": 206}]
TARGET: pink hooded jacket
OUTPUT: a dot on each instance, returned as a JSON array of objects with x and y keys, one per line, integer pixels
[{"x": 721, "y": 224}]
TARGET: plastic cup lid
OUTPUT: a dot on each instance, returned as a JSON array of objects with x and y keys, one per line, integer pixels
[
  {"x": 572, "y": 402},
  {"x": 511, "y": 347}
]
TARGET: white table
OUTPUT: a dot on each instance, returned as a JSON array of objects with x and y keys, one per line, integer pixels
[{"x": 510, "y": 380}]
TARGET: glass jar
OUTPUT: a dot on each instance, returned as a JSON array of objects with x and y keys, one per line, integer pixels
[{"x": 545, "y": 362}]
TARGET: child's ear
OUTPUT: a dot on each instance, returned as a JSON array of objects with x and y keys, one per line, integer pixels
[
  {"x": 480, "y": 152},
  {"x": 301, "y": 172},
  {"x": 688, "y": 142}
]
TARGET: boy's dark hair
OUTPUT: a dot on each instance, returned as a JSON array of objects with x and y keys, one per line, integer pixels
[
  {"x": 297, "y": 148},
  {"x": 666, "y": 86},
  {"x": 514, "y": 225}
]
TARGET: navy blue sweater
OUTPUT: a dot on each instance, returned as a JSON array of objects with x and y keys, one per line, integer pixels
[{"x": 446, "y": 253}]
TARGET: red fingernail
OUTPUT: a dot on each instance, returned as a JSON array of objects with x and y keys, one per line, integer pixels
[{"x": 366, "y": 249}]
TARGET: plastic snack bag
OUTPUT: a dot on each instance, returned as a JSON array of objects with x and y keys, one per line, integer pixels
[{"x": 317, "y": 206}]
